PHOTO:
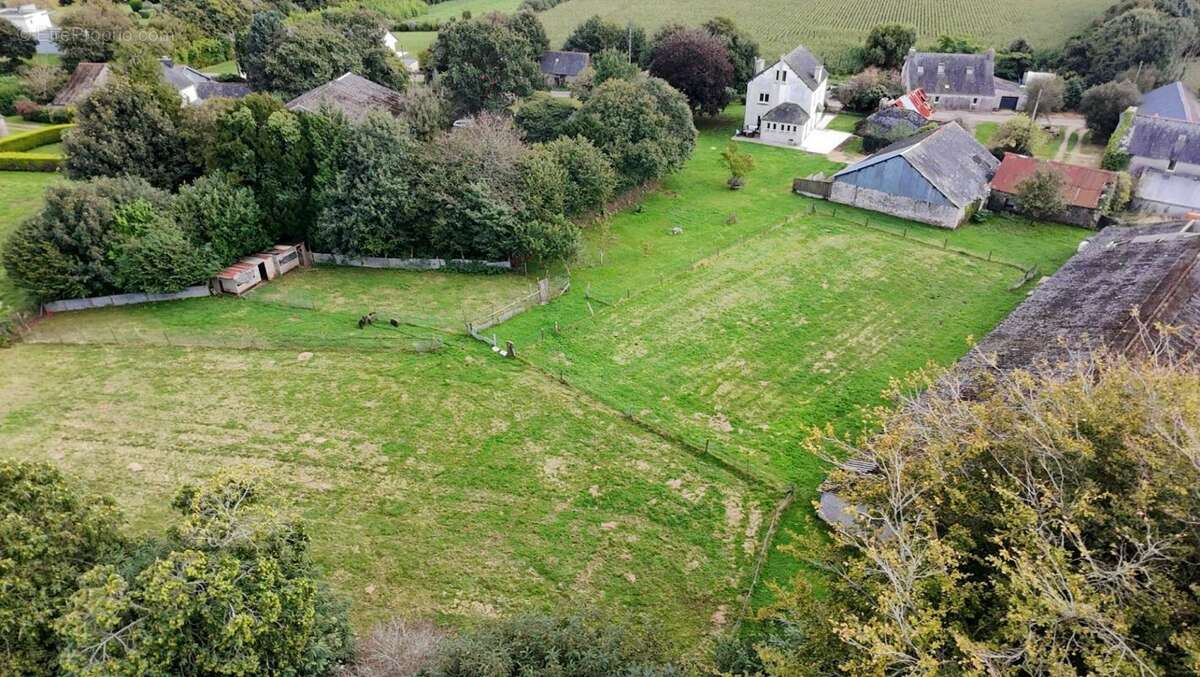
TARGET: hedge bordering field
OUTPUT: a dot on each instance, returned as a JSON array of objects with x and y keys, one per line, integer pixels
[
  {"x": 30, "y": 162},
  {"x": 29, "y": 140}
]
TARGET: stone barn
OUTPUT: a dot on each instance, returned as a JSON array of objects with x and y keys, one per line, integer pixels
[
  {"x": 560, "y": 69},
  {"x": 939, "y": 177},
  {"x": 1085, "y": 191}
]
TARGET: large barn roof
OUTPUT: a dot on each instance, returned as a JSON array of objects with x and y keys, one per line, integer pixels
[
  {"x": 1173, "y": 101},
  {"x": 948, "y": 157},
  {"x": 1081, "y": 186},
  {"x": 1165, "y": 139},
  {"x": 353, "y": 95},
  {"x": 1153, "y": 270}
]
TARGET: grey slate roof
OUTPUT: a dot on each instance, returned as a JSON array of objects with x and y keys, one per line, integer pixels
[
  {"x": 894, "y": 118},
  {"x": 1165, "y": 139},
  {"x": 806, "y": 65},
  {"x": 787, "y": 113},
  {"x": 1168, "y": 188},
  {"x": 1154, "y": 269},
  {"x": 960, "y": 74},
  {"x": 182, "y": 77},
  {"x": 353, "y": 95},
  {"x": 85, "y": 79},
  {"x": 949, "y": 158},
  {"x": 1174, "y": 101},
  {"x": 568, "y": 64},
  {"x": 229, "y": 90}
]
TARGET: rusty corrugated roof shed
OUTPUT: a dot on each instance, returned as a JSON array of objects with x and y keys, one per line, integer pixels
[{"x": 1082, "y": 186}]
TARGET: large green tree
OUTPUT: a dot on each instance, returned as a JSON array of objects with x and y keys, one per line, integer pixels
[
  {"x": 697, "y": 64},
  {"x": 743, "y": 50},
  {"x": 1044, "y": 525},
  {"x": 888, "y": 44},
  {"x": 91, "y": 33},
  {"x": 643, "y": 126},
  {"x": 595, "y": 35},
  {"x": 15, "y": 47},
  {"x": 1103, "y": 105},
  {"x": 130, "y": 127},
  {"x": 484, "y": 65},
  {"x": 230, "y": 590},
  {"x": 50, "y": 534}
]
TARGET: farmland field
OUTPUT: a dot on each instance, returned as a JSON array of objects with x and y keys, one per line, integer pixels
[
  {"x": 829, "y": 27},
  {"x": 460, "y": 485}
]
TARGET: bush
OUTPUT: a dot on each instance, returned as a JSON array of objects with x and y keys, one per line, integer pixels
[
  {"x": 397, "y": 648},
  {"x": 11, "y": 89},
  {"x": 42, "y": 82},
  {"x": 30, "y": 162},
  {"x": 49, "y": 116},
  {"x": 214, "y": 211},
  {"x": 862, "y": 93},
  {"x": 162, "y": 259},
  {"x": 69, "y": 249},
  {"x": 543, "y": 117},
  {"x": 1103, "y": 106},
  {"x": 591, "y": 180},
  {"x": 1116, "y": 157},
  {"x": 538, "y": 645}
]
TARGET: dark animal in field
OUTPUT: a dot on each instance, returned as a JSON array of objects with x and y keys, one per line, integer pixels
[
  {"x": 366, "y": 320},
  {"x": 395, "y": 322}
]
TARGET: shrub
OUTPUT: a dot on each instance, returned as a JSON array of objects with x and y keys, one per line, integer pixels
[
  {"x": 1116, "y": 157},
  {"x": 11, "y": 89},
  {"x": 34, "y": 139},
  {"x": 543, "y": 117},
  {"x": 535, "y": 644},
  {"x": 69, "y": 249},
  {"x": 214, "y": 211},
  {"x": 862, "y": 92},
  {"x": 397, "y": 648},
  {"x": 48, "y": 116},
  {"x": 1018, "y": 135},
  {"x": 162, "y": 259},
  {"x": 591, "y": 180},
  {"x": 30, "y": 162},
  {"x": 51, "y": 534},
  {"x": 1104, "y": 104},
  {"x": 42, "y": 82}
]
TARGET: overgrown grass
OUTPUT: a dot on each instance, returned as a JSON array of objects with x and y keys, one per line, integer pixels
[{"x": 21, "y": 196}]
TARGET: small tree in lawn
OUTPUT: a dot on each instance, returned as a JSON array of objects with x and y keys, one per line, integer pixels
[
  {"x": 1041, "y": 195},
  {"x": 1018, "y": 135},
  {"x": 740, "y": 164}
]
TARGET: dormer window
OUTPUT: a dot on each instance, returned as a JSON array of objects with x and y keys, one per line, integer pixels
[
  {"x": 920, "y": 70},
  {"x": 1172, "y": 164},
  {"x": 941, "y": 69},
  {"x": 970, "y": 71}
]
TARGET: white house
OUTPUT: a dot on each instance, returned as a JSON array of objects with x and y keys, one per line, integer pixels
[
  {"x": 784, "y": 102},
  {"x": 28, "y": 18},
  {"x": 411, "y": 64}
]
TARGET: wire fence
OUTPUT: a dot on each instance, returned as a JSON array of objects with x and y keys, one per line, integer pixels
[
  {"x": 369, "y": 339},
  {"x": 548, "y": 289}
]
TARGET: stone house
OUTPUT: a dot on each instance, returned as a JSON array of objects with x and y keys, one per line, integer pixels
[
  {"x": 961, "y": 81},
  {"x": 785, "y": 101},
  {"x": 1165, "y": 163},
  {"x": 939, "y": 177},
  {"x": 1085, "y": 191},
  {"x": 560, "y": 69}
]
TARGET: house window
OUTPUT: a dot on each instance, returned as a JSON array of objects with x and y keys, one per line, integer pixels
[
  {"x": 784, "y": 74},
  {"x": 937, "y": 99},
  {"x": 764, "y": 97}
]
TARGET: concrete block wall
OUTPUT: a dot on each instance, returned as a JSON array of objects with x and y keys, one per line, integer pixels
[{"x": 943, "y": 216}]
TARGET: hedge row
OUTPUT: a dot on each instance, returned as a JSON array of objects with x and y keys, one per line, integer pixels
[
  {"x": 35, "y": 139},
  {"x": 29, "y": 162},
  {"x": 1116, "y": 158}
]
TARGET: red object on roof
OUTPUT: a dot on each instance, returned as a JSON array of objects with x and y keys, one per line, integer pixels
[
  {"x": 1082, "y": 186},
  {"x": 915, "y": 100}
]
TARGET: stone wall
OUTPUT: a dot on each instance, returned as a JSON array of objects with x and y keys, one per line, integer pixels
[
  {"x": 1072, "y": 215},
  {"x": 945, "y": 216}
]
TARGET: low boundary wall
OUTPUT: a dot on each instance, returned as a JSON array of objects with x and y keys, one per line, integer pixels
[
  {"x": 406, "y": 264},
  {"x": 66, "y": 305}
]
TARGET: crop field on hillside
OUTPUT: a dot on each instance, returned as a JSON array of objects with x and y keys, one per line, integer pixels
[{"x": 830, "y": 26}]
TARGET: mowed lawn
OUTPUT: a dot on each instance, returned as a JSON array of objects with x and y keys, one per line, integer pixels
[
  {"x": 21, "y": 196},
  {"x": 453, "y": 485}
]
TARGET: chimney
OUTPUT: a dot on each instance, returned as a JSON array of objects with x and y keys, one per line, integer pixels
[
  {"x": 760, "y": 64},
  {"x": 167, "y": 61}
]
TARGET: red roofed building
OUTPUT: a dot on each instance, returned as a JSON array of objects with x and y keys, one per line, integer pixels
[
  {"x": 915, "y": 101},
  {"x": 1085, "y": 191}
]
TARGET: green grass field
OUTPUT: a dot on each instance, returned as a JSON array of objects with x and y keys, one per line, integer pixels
[
  {"x": 20, "y": 197},
  {"x": 460, "y": 485},
  {"x": 453, "y": 9},
  {"x": 830, "y": 27},
  {"x": 414, "y": 42}
]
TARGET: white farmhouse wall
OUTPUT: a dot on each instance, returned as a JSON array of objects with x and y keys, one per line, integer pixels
[{"x": 781, "y": 84}]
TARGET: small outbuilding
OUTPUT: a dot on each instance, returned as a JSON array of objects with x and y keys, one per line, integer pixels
[
  {"x": 889, "y": 125},
  {"x": 238, "y": 278},
  {"x": 85, "y": 79},
  {"x": 939, "y": 177},
  {"x": 1086, "y": 192},
  {"x": 560, "y": 69}
]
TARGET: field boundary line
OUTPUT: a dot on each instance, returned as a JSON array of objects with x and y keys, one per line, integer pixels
[
  {"x": 700, "y": 452},
  {"x": 784, "y": 504}
]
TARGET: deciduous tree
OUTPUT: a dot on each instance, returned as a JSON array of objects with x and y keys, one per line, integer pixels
[
  {"x": 485, "y": 65},
  {"x": 595, "y": 35},
  {"x": 91, "y": 33},
  {"x": 1040, "y": 195},
  {"x": 1103, "y": 105},
  {"x": 697, "y": 64},
  {"x": 888, "y": 45},
  {"x": 15, "y": 47},
  {"x": 743, "y": 50}
]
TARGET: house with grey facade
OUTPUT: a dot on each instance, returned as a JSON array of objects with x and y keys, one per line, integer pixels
[
  {"x": 560, "y": 69},
  {"x": 1165, "y": 163},
  {"x": 939, "y": 177},
  {"x": 961, "y": 81}
]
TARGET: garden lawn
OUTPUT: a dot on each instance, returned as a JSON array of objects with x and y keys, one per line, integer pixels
[
  {"x": 845, "y": 122},
  {"x": 21, "y": 196},
  {"x": 454, "y": 485},
  {"x": 453, "y": 9}
]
